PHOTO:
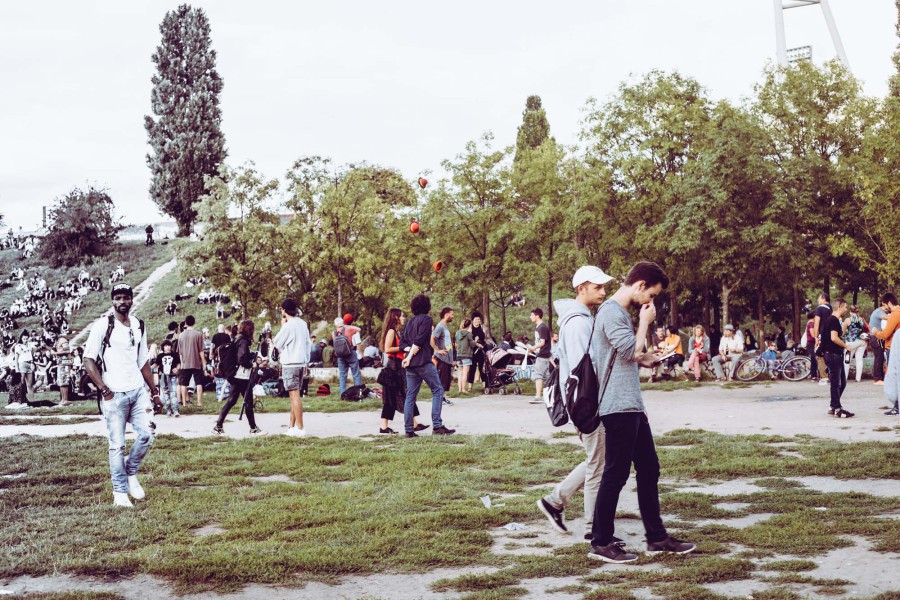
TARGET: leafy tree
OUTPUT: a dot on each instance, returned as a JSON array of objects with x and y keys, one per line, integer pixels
[
  {"x": 185, "y": 136},
  {"x": 240, "y": 251},
  {"x": 534, "y": 130},
  {"x": 80, "y": 224}
]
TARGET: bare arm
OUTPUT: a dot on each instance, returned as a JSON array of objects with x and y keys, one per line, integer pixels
[{"x": 90, "y": 367}]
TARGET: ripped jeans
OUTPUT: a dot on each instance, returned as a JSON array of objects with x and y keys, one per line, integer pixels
[{"x": 132, "y": 407}]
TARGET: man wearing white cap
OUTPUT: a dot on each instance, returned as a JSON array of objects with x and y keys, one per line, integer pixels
[{"x": 575, "y": 326}]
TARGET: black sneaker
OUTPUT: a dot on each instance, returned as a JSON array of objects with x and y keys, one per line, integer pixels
[
  {"x": 442, "y": 431},
  {"x": 388, "y": 430},
  {"x": 615, "y": 540},
  {"x": 611, "y": 553},
  {"x": 421, "y": 427},
  {"x": 218, "y": 430},
  {"x": 410, "y": 434},
  {"x": 670, "y": 545},
  {"x": 447, "y": 402},
  {"x": 893, "y": 412},
  {"x": 554, "y": 515},
  {"x": 831, "y": 411},
  {"x": 840, "y": 413}
]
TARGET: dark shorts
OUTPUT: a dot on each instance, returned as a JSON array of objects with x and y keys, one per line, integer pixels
[
  {"x": 185, "y": 375},
  {"x": 445, "y": 374}
]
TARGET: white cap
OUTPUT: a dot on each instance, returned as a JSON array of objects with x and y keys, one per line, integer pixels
[
  {"x": 590, "y": 274},
  {"x": 728, "y": 327}
]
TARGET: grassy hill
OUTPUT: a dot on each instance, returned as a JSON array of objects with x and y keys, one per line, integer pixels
[{"x": 138, "y": 260}]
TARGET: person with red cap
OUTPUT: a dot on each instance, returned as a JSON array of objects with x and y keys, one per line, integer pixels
[{"x": 345, "y": 350}]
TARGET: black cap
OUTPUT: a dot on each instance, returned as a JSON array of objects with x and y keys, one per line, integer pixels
[{"x": 121, "y": 288}]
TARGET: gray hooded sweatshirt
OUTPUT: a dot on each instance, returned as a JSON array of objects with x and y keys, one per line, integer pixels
[{"x": 575, "y": 322}]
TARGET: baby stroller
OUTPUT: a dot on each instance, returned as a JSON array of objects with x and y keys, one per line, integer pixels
[{"x": 498, "y": 372}]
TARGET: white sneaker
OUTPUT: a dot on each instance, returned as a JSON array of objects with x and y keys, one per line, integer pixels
[
  {"x": 300, "y": 432},
  {"x": 536, "y": 400},
  {"x": 121, "y": 499},
  {"x": 134, "y": 488},
  {"x": 823, "y": 382},
  {"x": 292, "y": 431}
]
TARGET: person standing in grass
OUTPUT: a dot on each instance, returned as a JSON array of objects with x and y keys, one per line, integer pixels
[
  {"x": 167, "y": 364},
  {"x": 629, "y": 439},
  {"x": 64, "y": 361},
  {"x": 833, "y": 348},
  {"x": 576, "y": 324},
  {"x": 123, "y": 384},
  {"x": 293, "y": 345},
  {"x": 464, "y": 344},
  {"x": 442, "y": 345},
  {"x": 239, "y": 380},
  {"x": 393, "y": 381}
]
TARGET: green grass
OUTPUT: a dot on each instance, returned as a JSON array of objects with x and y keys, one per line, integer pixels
[
  {"x": 669, "y": 386},
  {"x": 395, "y": 505},
  {"x": 45, "y": 420}
]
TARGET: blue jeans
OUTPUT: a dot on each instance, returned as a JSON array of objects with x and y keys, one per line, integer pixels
[
  {"x": 353, "y": 364},
  {"x": 168, "y": 390},
  {"x": 414, "y": 378},
  {"x": 127, "y": 407}
]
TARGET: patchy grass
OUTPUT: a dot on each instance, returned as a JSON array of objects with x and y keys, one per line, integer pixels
[
  {"x": 563, "y": 434},
  {"x": 75, "y": 595},
  {"x": 45, "y": 420},
  {"x": 791, "y": 565},
  {"x": 669, "y": 386},
  {"x": 777, "y": 483}
]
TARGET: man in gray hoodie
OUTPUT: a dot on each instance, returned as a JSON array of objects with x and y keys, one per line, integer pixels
[
  {"x": 628, "y": 438},
  {"x": 575, "y": 325}
]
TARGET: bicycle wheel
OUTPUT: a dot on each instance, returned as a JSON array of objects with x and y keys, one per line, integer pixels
[
  {"x": 750, "y": 369},
  {"x": 796, "y": 369}
]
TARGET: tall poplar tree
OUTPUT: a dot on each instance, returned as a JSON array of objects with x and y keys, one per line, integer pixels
[{"x": 185, "y": 135}]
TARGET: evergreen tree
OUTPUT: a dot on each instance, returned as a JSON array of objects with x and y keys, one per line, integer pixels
[
  {"x": 535, "y": 128},
  {"x": 185, "y": 136}
]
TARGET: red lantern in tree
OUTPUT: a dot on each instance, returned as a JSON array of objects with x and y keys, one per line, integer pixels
[
  {"x": 422, "y": 182},
  {"x": 414, "y": 227},
  {"x": 438, "y": 266}
]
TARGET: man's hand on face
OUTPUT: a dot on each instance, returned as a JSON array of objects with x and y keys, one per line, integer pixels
[{"x": 648, "y": 313}]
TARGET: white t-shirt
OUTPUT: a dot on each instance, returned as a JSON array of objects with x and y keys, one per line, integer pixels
[
  {"x": 123, "y": 360},
  {"x": 293, "y": 342}
]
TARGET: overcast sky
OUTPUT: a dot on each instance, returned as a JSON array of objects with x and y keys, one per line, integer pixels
[{"x": 401, "y": 84}]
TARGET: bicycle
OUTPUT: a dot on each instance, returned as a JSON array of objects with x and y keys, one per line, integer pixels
[{"x": 795, "y": 368}]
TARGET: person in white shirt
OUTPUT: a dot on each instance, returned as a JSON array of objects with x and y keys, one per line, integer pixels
[
  {"x": 731, "y": 348},
  {"x": 123, "y": 384},
  {"x": 293, "y": 344}
]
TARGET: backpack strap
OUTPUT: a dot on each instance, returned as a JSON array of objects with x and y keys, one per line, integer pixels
[{"x": 105, "y": 343}]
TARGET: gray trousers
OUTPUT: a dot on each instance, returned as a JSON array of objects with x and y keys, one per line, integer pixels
[
  {"x": 586, "y": 475},
  {"x": 718, "y": 361}
]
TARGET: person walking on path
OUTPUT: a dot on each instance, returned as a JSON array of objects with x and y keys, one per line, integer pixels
[
  {"x": 878, "y": 320},
  {"x": 193, "y": 361},
  {"x": 167, "y": 364},
  {"x": 238, "y": 380},
  {"x": 293, "y": 344},
  {"x": 629, "y": 439},
  {"x": 478, "y": 351},
  {"x": 392, "y": 376},
  {"x": 890, "y": 336},
  {"x": 419, "y": 368},
  {"x": 576, "y": 324},
  {"x": 833, "y": 347},
  {"x": 442, "y": 345},
  {"x": 118, "y": 366},
  {"x": 541, "y": 369},
  {"x": 820, "y": 314},
  {"x": 346, "y": 352}
]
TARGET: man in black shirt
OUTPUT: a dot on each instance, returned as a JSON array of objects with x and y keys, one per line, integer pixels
[
  {"x": 833, "y": 348},
  {"x": 419, "y": 367},
  {"x": 541, "y": 349},
  {"x": 823, "y": 310}
]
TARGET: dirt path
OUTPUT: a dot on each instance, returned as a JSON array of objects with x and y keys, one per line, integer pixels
[
  {"x": 141, "y": 292},
  {"x": 776, "y": 409}
]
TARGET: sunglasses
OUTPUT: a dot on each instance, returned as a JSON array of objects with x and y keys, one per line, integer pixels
[{"x": 131, "y": 335}]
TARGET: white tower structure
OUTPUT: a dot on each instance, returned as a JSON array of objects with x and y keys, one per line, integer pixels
[{"x": 781, "y": 45}]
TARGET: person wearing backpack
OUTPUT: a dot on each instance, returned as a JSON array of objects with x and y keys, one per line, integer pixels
[
  {"x": 576, "y": 325},
  {"x": 235, "y": 366},
  {"x": 345, "y": 339},
  {"x": 115, "y": 358},
  {"x": 627, "y": 430}
]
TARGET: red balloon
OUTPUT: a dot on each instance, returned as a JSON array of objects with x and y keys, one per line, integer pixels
[
  {"x": 414, "y": 227},
  {"x": 438, "y": 266},
  {"x": 422, "y": 182}
]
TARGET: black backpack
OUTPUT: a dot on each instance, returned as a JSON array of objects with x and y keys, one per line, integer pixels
[
  {"x": 583, "y": 392},
  {"x": 554, "y": 400},
  {"x": 226, "y": 360},
  {"x": 342, "y": 346},
  {"x": 357, "y": 393}
]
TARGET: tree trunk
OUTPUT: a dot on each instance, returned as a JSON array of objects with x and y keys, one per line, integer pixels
[
  {"x": 855, "y": 296},
  {"x": 340, "y": 297},
  {"x": 673, "y": 308},
  {"x": 726, "y": 292},
  {"x": 704, "y": 320},
  {"x": 826, "y": 285},
  {"x": 503, "y": 316},
  {"x": 761, "y": 315},
  {"x": 796, "y": 327},
  {"x": 184, "y": 228},
  {"x": 549, "y": 293},
  {"x": 486, "y": 312}
]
